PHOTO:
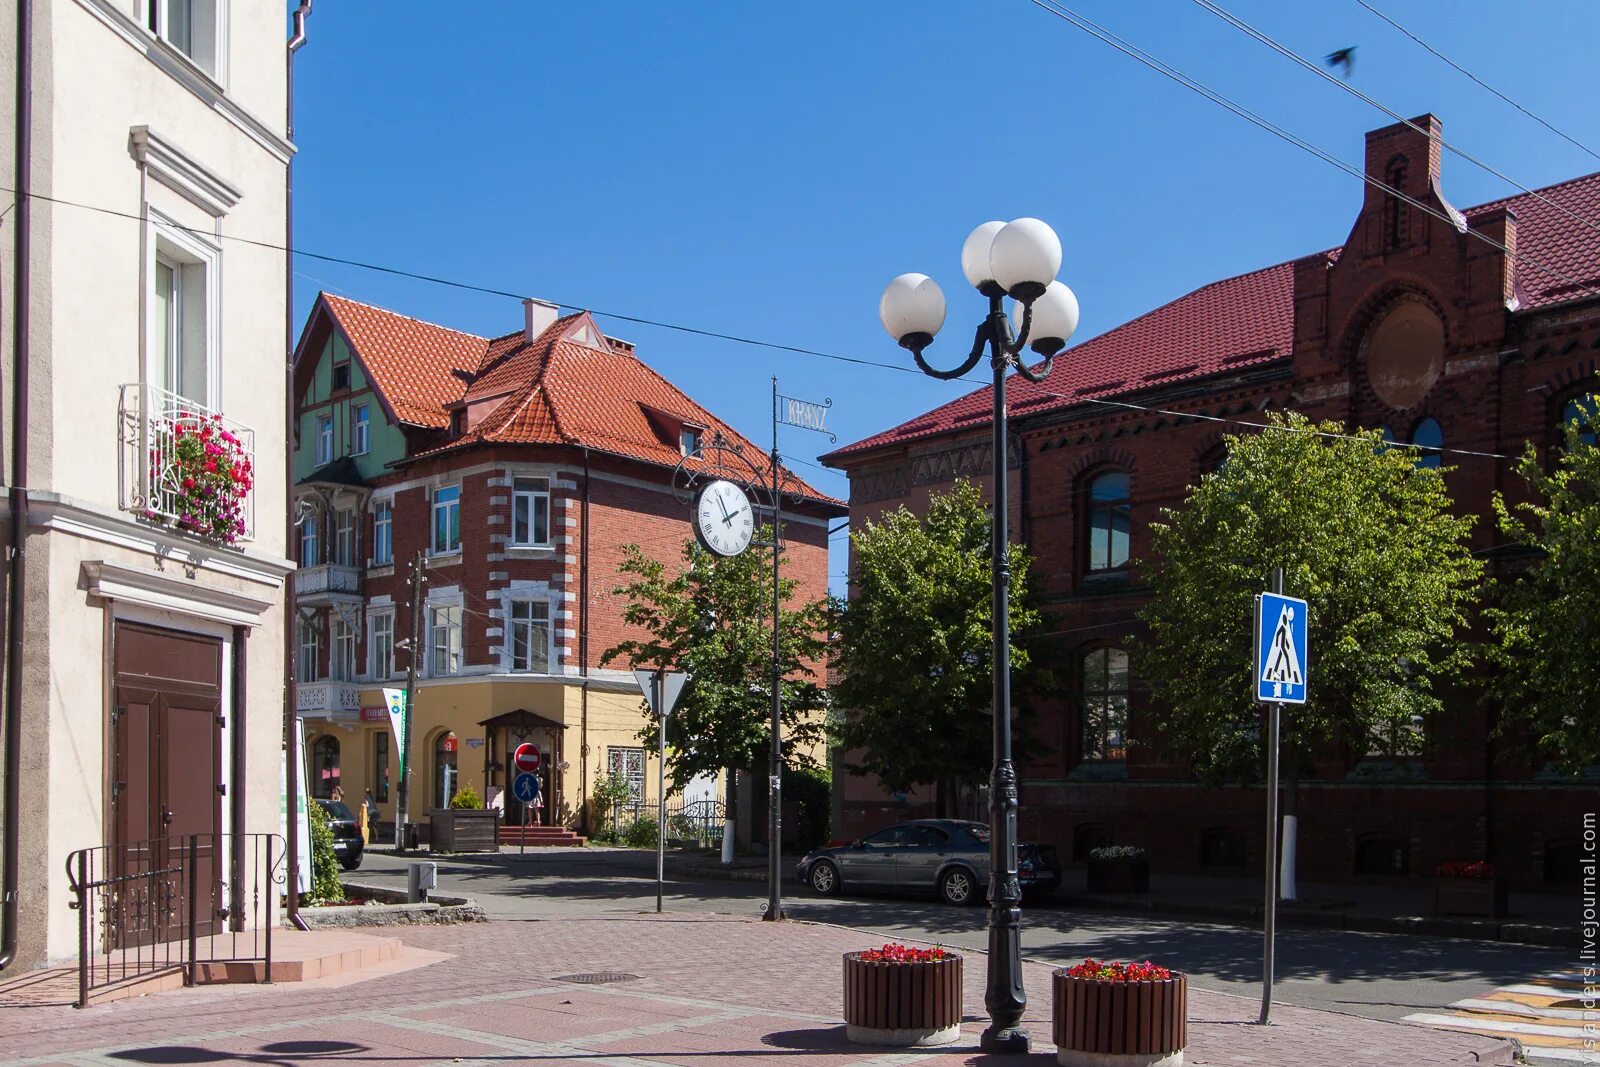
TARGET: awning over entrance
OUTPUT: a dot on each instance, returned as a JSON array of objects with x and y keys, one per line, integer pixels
[{"x": 503, "y": 734}]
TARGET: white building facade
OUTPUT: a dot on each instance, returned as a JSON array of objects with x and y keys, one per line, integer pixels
[{"x": 152, "y": 653}]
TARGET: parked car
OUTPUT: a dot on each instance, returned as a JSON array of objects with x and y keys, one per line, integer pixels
[
  {"x": 347, "y": 842},
  {"x": 948, "y": 856}
]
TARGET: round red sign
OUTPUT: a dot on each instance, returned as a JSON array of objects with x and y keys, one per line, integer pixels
[{"x": 526, "y": 758}]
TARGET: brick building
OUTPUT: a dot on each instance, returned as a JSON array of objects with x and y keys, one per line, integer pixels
[
  {"x": 1413, "y": 324},
  {"x": 518, "y": 466}
]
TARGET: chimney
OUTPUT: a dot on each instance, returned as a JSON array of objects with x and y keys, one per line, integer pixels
[
  {"x": 1400, "y": 156},
  {"x": 537, "y": 315}
]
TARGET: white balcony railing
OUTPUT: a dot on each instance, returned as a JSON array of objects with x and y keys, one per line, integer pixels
[
  {"x": 151, "y": 422},
  {"x": 327, "y": 582},
  {"x": 332, "y": 698}
]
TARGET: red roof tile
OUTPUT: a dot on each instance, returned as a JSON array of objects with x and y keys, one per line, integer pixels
[
  {"x": 415, "y": 365},
  {"x": 1249, "y": 319}
]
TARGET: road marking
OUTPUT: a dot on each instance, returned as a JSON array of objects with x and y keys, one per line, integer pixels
[{"x": 1548, "y": 1015}]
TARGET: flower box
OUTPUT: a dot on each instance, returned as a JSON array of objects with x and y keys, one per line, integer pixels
[
  {"x": 904, "y": 997},
  {"x": 463, "y": 830},
  {"x": 1119, "y": 875},
  {"x": 1469, "y": 896},
  {"x": 1119, "y": 1022}
]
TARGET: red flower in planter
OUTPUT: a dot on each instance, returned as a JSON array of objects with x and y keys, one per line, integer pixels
[
  {"x": 1462, "y": 869},
  {"x": 1104, "y": 971},
  {"x": 897, "y": 953},
  {"x": 213, "y": 477}
]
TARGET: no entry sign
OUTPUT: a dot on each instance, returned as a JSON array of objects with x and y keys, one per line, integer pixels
[{"x": 526, "y": 758}]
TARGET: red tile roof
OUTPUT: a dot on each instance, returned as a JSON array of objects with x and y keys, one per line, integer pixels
[
  {"x": 1249, "y": 319},
  {"x": 557, "y": 390}
]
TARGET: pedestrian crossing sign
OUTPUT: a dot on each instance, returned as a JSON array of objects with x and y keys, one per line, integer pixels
[{"x": 1282, "y": 651}]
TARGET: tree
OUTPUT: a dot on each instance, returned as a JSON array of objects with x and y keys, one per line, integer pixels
[
  {"x": 713, "y": 621},
  {"x": 916, "y": 645},
  {"x": 1366, "y": 536},
  {"x": 1545, "y": 623}
]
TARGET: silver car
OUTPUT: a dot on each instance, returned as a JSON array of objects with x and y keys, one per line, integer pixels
[{"x": 948, "y": 856}]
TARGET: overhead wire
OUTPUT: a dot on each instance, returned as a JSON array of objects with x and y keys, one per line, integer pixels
[
  {"x": 1290, "y": 54},
  {"x": 1480, "y": 82}
]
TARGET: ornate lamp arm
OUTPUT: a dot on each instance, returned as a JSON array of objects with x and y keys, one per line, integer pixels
[
  {"x": 1036, "y": 376},
  {"x": 972, "y": 357}
]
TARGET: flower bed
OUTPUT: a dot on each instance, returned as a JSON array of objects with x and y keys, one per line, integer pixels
[
  {"x": 904, "y": 996},
  {"x": 1119, "y": 869},
  {"x": 1123, "y": 1014},
  {"x": 1462, "y": 888}
]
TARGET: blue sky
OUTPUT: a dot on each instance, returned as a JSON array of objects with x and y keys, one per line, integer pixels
[{"x": 763, "y": 170}]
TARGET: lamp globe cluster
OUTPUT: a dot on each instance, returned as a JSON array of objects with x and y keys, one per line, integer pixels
[{"x": 1019, "y": 259}]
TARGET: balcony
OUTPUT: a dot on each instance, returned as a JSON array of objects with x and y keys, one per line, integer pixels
[
  {"x": 329, "y": 585},
  {"x": 330, "y": 700},
  {"x": 184, "y": 465}
]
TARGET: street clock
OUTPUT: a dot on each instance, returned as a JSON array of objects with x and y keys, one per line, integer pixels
[{"x": 723, "y": 520}]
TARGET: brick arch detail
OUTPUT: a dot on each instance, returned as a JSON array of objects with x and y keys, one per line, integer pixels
[
  {"x": 1381, "y": 298},
  {"x": 1107, "y": 458}
]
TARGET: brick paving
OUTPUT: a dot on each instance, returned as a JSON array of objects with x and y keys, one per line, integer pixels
[{"x": 709, "y": 990}]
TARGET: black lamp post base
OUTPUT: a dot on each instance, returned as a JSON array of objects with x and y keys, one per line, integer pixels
[{"x": 1009, "y": 1040}]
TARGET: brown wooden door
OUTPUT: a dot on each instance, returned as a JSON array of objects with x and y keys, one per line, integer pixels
[{"x": 166, "y": 780}]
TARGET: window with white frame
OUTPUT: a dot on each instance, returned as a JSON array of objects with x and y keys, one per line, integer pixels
[
  {"x": 528, "y": 630},
  {"x": 447, "y": 519},
  {"x": 382, "y": 533},
  {"x": 193, "y": 27},
  {"x": 380, "y": 645},
  {"x": 689, "y": 440},
  {"x": 324, "y": 440},
  {"x": 445, "y": 639},
  {"x": 344, "y": 537},
  {"x": 344, "y": 651},
  {"x": 628, "y": 762},
  {"x": 530, "y": 512},
  {"x": 358, "y": 430},
  {"x": 310, "y": 651},
  {"x": 182, "y": 303},
  {"x": 310, "y": 539}
]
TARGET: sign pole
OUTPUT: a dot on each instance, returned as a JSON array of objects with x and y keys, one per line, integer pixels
[
  {"x": 1269, "y": 908},
  {"x": 661, "y": 787}
]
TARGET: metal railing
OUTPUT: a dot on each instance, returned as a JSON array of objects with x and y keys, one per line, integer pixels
[
  {"x": 150, "y": 424},
  {"x": 701, "y": 820},
  {"x": 327, "y": 579},
  {"x": 170, "y": 905}
]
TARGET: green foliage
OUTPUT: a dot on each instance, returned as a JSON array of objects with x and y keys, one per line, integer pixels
[
  {"x": 325, "y": 883},
  {"x": 1546, "y": 621},
  {"x": 916, "y": 643},
  {"x": 811, "y": 791},
  {"x": 609, "y": 791},
  {"x": 643, "y": 833},
  {"x": 713, "y": 620},
  {"x": 1365, "y": 536},
  {"x": 466, "y": 799}
]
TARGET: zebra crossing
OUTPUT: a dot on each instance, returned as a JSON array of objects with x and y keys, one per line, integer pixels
[{"x": 1555, "y": 1017}]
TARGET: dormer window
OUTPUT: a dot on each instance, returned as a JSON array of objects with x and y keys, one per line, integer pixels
[{"x": 689, "y": 440}]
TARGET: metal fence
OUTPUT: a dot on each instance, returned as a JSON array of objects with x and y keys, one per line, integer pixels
[
  {"x": 171, "y": 905},
  {"x": 700, "y": 821}
]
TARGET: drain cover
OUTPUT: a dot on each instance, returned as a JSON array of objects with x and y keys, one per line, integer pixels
[{"x": 596, "y": 977}]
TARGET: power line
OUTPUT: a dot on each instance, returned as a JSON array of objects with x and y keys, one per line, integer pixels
[
  {"x": 1479, "y": 81},
  {"x": 1289, "y": 53},
  {"x": 1133, "y": 51}
]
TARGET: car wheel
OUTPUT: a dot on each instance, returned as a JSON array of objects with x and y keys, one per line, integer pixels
[
  {"x": 350, "y": 864},
  {"x": 958, "y": 887},
  {"x": 824, "y": 878}
]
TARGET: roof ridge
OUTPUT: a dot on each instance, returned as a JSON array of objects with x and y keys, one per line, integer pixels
[{"x": 325, "y": 295}]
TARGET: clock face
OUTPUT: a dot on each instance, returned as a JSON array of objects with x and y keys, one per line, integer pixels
[{"x": 723, "y": 521}]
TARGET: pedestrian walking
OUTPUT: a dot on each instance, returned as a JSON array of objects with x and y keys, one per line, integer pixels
[
  {"x": 538, "y": 802},
  {"x": 370, "y": 813}
]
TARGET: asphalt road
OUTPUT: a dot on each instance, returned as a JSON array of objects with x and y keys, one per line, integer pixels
[{"x": 1381, "y": 976}]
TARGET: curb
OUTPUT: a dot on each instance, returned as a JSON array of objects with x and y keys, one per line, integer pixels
[
  {"x": 1425, "y": 926},
  {"x": 733, "y": 874}
]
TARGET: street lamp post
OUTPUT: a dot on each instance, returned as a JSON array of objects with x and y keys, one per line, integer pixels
[{"x": 1017, "y": 259}]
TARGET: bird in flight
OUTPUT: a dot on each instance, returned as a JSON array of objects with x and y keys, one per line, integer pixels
[{"x": 1344, "y": 57}]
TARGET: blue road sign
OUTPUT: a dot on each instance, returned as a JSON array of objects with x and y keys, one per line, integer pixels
[
  {"x": 525, "y": 787},
  {"x": 1282, "y": 650}
]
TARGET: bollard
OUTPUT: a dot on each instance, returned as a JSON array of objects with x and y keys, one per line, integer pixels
[{"x": 420, "y": 877}]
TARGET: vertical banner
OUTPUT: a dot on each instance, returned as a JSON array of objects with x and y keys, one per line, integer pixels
[
  {"x": 395, "y": 701},
  {"x": 301, "y": 812}
]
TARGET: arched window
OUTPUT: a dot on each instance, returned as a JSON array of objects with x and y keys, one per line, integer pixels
[
  {"x": 1105, "y": 704},
  {"x": 1108, "y": 521},
  {"x": 1214, "y": 460},
  {"x": 1428, "y": 434},
  {"x": 444, "y": 768},
  {"x": 324, "y": 766},
  {"x": 1584, "y": 410}
]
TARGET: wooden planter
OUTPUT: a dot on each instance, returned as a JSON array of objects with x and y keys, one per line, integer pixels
[
  {"x": 902, "y": 1004},
  {"x": 1119, "y": 1024},
  {"x": 463, "y": 830},
  {"x": 1469, "y": 896},
  {"x": 1119, "y": 876}
]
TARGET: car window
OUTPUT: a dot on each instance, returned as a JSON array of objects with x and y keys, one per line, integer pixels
[
  {"x": 928, "y": 837},
  {"x": 894, "y": 835},
  {"x": 979, "y": 832},
  {"x": 336, "y": 809}
]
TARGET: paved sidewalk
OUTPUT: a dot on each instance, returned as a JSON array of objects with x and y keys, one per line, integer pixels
[{"x": 708, "y": 989}]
